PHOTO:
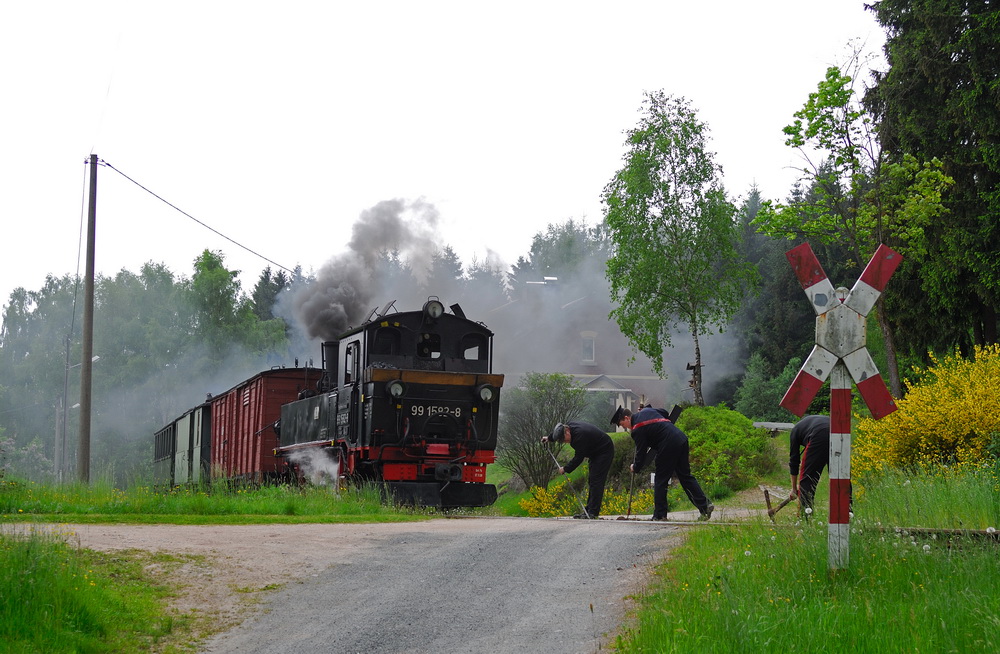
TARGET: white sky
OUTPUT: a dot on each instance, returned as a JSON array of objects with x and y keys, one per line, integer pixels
[{"x": 278, "y": 123}]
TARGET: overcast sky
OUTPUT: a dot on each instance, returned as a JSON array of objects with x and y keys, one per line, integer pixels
[{"x": 277, "y": 124}]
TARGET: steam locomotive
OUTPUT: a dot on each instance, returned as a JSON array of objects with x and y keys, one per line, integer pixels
[{"x": 407, "y": 400}]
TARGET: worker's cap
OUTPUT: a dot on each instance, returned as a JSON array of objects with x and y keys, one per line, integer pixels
[
  {"x": 558, "y": 433},
  {"x": 619, "y": 414}
]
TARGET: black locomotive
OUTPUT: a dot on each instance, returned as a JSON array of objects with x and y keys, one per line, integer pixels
[{"x": 407, "y": 399}]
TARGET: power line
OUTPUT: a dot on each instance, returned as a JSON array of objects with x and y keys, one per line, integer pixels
[{"x": 211, "y": 229}]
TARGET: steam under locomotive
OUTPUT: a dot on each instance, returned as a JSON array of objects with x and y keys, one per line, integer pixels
[{"x": 407, "y": 399}]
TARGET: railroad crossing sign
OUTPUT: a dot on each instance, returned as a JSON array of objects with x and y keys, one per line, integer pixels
[{"x": 840, "y": 355}]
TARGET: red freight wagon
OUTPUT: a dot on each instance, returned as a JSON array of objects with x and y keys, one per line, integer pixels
[{"x": 243, "y": 439}]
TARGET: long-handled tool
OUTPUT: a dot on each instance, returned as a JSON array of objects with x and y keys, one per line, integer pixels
[
  {"x": 631, "y": 485},
  {"x": 767, "y": 499},
  {"x": 569, "y": 483}
]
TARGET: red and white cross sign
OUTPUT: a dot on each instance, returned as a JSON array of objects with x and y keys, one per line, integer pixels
[{"x": 840, "y": 355}]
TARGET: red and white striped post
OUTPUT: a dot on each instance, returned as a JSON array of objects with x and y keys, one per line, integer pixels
[
  {"x": 838, "y": 535},
  {"x": 841, "y": 355}
]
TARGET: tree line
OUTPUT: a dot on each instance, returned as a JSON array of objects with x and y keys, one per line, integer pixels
[{"x": 907, "y": 156}]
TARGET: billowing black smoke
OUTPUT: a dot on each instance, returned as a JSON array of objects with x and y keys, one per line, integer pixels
[{"x": 347, "y": 286}]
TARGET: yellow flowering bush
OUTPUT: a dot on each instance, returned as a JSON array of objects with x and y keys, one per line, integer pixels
[
  {"x": 558, "y": 500},
  {"x": 950, "y": 415}
]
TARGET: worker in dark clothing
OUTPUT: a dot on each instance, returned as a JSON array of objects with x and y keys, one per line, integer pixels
[
  {"x": 588, "y": 442},
  {"x": 812, "y": 435},
  {"x": 652, "y": 429}
]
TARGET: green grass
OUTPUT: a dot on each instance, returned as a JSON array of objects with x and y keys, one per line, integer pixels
[
  {"x": 55, "y": 598},
  {"x": 763, "y": 587},
  {"x": 102, "y": 503},
  {"x": 941, "y": 498}
]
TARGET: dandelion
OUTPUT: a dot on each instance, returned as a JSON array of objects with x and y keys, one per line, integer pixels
[
  {"x": 809, "y": 511},
  {"x": 747, "y": 553},
  {"x": 927, "y": 549},
  {"x": 991, "y": 530}
]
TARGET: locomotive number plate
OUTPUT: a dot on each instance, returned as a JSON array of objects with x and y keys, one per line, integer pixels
[{"x": 419, "y": 410}]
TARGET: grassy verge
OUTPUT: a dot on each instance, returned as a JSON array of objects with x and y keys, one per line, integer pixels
[
  {"x": 55, "y": 598},
  {"x": 99, "y": 503},
  {"x": 762, "y": 587}
]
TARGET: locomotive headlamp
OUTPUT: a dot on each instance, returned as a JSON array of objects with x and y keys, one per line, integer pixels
[
  {"x": 395, "y": 389},
  {"x": 486, "y": 392},
  {"x": 434, "y": 309}
]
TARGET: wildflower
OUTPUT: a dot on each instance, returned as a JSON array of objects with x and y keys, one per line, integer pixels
[
  {"x": 747, "y": 553},
  {"x": 927, "y": 549},
  {"x": 991, "y": 530},
  {"x": 809, "y": 510}
]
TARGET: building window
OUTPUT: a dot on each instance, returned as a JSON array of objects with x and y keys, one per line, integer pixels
[{"x": 588, "y": 348}]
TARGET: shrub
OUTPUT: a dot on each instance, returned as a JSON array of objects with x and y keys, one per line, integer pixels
[
  {"x": 950, "y": 416},
  {"x": 559, "y": 499},
  {"x": 727, "y": 452}
]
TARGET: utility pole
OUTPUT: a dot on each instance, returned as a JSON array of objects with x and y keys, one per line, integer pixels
[
  {"x": 86, "y": 364},
  {"x": 61, "y": 456},
  {"x": 58, "y": 448}
]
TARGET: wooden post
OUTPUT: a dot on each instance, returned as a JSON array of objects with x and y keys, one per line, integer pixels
[
  {"x": 840, "y": 467},
  {"x": 86, "y": 364}
]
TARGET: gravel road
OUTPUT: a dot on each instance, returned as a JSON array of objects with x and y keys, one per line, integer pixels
[
  {"x": 498, "y": 585},
  {"x": 463, "y": 585}
]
